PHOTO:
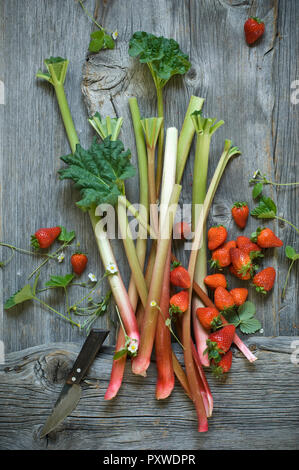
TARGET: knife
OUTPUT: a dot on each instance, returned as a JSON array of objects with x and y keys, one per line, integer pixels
[{"x": 71, "y": 392}]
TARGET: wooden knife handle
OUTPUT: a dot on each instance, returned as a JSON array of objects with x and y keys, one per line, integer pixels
[{"x": 87, "y": 355}]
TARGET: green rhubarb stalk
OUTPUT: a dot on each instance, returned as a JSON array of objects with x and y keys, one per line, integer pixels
[
  {"x": 204, "y": 128},
  {"x": 106, "y": 127},
  {"x": 164, "y": 59},
  {"x": 142, "y": 361},
  {"x": 186, "y": 136},
  {"x": 57, "y": 68}
]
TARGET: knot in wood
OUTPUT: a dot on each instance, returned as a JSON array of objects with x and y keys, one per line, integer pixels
[{"x": 53, "y": 368}]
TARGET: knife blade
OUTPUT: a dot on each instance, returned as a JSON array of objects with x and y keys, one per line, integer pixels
[{"x": 71, "y": 391}]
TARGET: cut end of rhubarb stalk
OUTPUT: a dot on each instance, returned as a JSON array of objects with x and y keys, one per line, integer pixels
[
  {"x": 140, "y": 366},
  {"x": 163, "y": 390}
]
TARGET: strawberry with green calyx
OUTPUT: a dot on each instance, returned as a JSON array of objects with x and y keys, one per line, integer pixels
[
  {"x": 266, "y": 238},
  {"x": 179, "y": 303},
  {"x": 216, "y": 236},
  {"x": 179, "y": 276},
  {"x": 240, "y": 213},
  {"x": 254, "y": 28},
  {"x": 242, "y": 263},
  {"x": 264, "y": 280},
  {"x": 79, "y": 261},
  {"x": 221, "y": 256},
  {"x": 209, "y": 317},
  {"x": 215, "y": 280},
  {"x": 240, "y": 295},
  {"x": 45, "y": 237},
  {"x": 223, "y": 300},
  {"x": 223, "y": 366},
  {"x": 219, "y": 342}
]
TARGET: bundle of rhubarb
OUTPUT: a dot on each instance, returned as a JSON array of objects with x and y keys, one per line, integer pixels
[{"x": 164, "y": 301}]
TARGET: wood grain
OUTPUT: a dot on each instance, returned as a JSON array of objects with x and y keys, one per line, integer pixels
[
  {"x": 250, "y": 88},
  {"x": 255, "y": 408}
]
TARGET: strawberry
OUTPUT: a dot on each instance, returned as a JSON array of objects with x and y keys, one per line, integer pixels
[
  {"x": 219, "y": 342},
  {"x": 44, "y": 237},
  {"x": 221, "y": 256},
  {"x": 235, "y": 272},
  {"x": 179, "y": 302},
  {"x": 216, "y": 236},
  {"x": 242, "y": 263},
  {"x": 264, "y": 280},
  {"x": 254, "y": 28},
  {"x": 239, "y": 295},
  {"x": 181, "y": 230},
  {"x": 209, "y": 317},
  {"x": 79, "y": 262},
  {"x": 179, "y": 276},
  {"x": 247, "y": 245},
  {"x": 240, "y": 213},
  {"x": 224, "y": 365},
  {"x": 266, "y": 238},
  {"x": 223, "y": 299},
  {"x": 215, "y": 280}
]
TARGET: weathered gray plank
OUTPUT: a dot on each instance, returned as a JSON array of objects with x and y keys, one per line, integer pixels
[{"x": 255, "y": 408}]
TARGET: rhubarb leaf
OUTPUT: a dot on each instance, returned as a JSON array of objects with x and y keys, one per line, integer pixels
[
  {"x": 266, "y": 209},
  {"x": 163, "y": 56},
  {"x": 99, "y": 172}
]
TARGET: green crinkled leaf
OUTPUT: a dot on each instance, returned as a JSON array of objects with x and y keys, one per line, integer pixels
[
  {"x": 60, "y": 281},
  {"x": 250, "y": 326},
  {"x": 162, "y": 55},
  {"x": 66, "y": 236},
  {"x": 99, "y": 172},
  {"x": 266, "y": 209},
  {"x": 19, "y": 297}
]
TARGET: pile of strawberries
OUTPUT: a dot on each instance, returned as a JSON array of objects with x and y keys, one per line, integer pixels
[{"x": 239, "y": 257}]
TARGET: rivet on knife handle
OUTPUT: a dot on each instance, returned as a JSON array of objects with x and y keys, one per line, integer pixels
[{"x": 86, "y": 356}]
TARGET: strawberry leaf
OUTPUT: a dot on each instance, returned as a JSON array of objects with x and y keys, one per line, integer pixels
[
  {"x": 252, "y": 325},
  {"x": 66, "y": 236},
  {"x": 246, "y": 310},
  {"x": 60, "y": 281},
  {"x": 257, "y": 189},
  {"x": 266, "y": 209},
  {"x": 19, "y": 297},
  {"x": 98, "y": 172},
  {"x": 291, "y": 253},
  {"x": 119, "y": 354}
]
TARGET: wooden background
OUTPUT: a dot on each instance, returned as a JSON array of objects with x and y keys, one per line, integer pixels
[{"x": 250, "y": 89}]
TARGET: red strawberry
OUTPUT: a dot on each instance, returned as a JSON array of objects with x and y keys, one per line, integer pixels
[
  {"x": 179, "y": 276},
  {"x": 221, "y": 256},
  {"x": 223, "y": 299},
  {"x": 44, "y": 237},
  {"x": 240, "y": 213},
  {"x": 216, "y": 236},
  {"x": 179, "y": 302},
  {"x": 266, "y": 238},
  {"x": 247, "y": 245},
  {"x": 240, "y": 295},
  {"x": 79, "y": 262},
  {"x": 254, "y": 28},
  {"x": 209, "y": 317},
  {"x": 215, "y": 280},
  {"x": 242, "y": 263},
  {"x": 224, "y": 365},
  {"x": 264, "y": 280},
  {"x": 219, "y": 342},
  {"x": 235, "y": 272},
  {"x": 181, "y": 230}
]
